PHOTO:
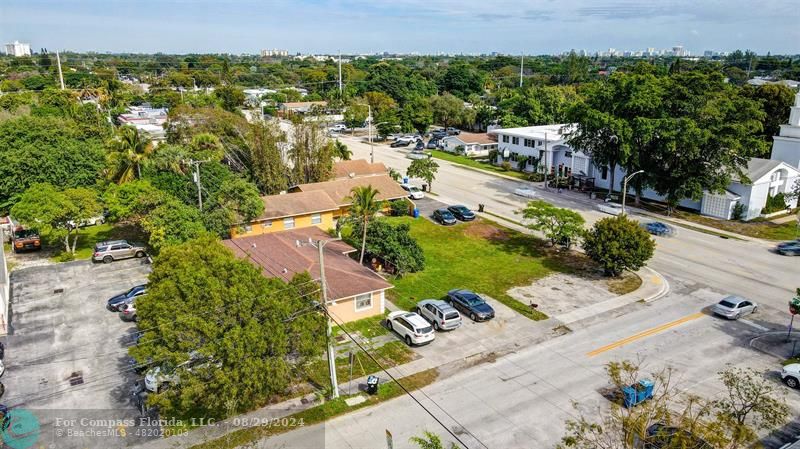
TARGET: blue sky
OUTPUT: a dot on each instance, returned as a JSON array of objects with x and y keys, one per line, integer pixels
[{"x": 427, "y": 26}]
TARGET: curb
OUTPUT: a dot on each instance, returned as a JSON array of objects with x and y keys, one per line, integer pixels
[
  {"x": 657, "y": 278},
  {"x": 765, "y": 351}
]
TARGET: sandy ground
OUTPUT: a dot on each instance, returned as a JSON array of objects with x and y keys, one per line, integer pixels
[{"x": 560, "y": 293}]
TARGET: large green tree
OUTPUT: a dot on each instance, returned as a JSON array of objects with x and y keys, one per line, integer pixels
[
  {"x": 311, "y": 154},
  {"x": 46, "y": 150},
  {"x": 128, "y": 152},
  {"x": 230, "y": 97},
  {"x": 558, "y": 225},
  {"x": 448, "y": 109},
  {"x": 255, "y": 332},
  {"x": 391, "y": 242},
  {"x": 618, "y": 244},
  {"x": 424, "y": 169},
  {"x": 364, "y": 205},
  {"x": 57, "y": 213}
]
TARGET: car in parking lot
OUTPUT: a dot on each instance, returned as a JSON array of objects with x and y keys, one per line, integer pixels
[
  {"x": 112, "y": 250},
  {"x": 442, "y": 315},
  {"x": 444, "y": 217},
  {"x": 610, "y": 208},
  {"x": 419, "y": 146},
  {"x": 412, "y": 328},
  {"x": 734, "y": 307},
  {"x": 657, "y": 228},
  {"x": 115, "y": 303},
  {"x": 791, "y": 375},
  {"x": 791, "y": 248},
  {"x": 127, "y": 311},
  {"x": 414, "y": 192},
  {"x": 400, "y": 143},
  {"x": 470, "y": 304},
  {"x": 432, "y": 144},
  {"x": 414, "y": 154},
  {"x": 452, "y": 131},
  {"x": 662, "y": 436},
  {"x": 461, "y": 212}
]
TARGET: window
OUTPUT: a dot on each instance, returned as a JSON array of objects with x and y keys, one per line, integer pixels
[
  {"x": 540, "y": 143},
  {"x": 363, "y": 302},
  {"x": 316, "y": 219},
  {"x": 266, "y": 224},
  {"x": 248, "y": 228},
  {"x": 288, "y": 223},
  {"x": 568, "y": 154},
  {"x": 515, "y": 140},
  {"x": 604, "y": 174},
  {"x": 505, "y": 139}
]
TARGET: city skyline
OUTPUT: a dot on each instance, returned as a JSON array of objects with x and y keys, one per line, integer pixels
[{"x": 414, "y": 26}]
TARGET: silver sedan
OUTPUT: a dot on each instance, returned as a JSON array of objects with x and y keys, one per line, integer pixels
[{"x": 734, "y": 307}]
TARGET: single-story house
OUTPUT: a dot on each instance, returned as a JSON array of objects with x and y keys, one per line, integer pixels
[
  {"x": 339, "y": 190},
  {"x": 301, "y": 107},
  {"x": 289, "y": 211},
  {"x": 470, "y": 144},
  {"x": 354, "y": 291},
  {"x": 356, "y": 168}
]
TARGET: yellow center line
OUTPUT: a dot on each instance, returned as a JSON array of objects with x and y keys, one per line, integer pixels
[{"x": 644, "y": 334}]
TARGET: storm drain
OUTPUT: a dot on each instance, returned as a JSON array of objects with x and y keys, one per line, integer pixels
[
  {"x": 76, "y": 378},
  {"x": 58, "y": 290}
]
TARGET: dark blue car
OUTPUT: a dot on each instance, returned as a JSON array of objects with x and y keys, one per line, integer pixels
[
  {"x": 657, "y": 228},
  {"x": 444, "y": 216},
  {"x": 462, "y": 213},
  {"x": 116, "y": 302},
  {"x": 470, "y": 304}
]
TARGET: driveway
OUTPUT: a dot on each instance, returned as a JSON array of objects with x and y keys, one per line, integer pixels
[{"x": 66, "y": 354}]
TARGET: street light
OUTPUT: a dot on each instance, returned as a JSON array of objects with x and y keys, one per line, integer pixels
[{"x": 625, "y": 188}]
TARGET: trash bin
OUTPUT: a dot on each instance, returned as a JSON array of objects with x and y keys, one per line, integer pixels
[
  {"x": 480, "y": 207},
  {"x": 416, "y": 212},
  {"x": 405, "y": 180},
  {"x": 372, "y": 385},
  {"x": 424, "y": 187}
]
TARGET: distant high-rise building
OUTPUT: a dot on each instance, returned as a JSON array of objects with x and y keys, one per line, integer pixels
[
  {"x": 18, "y": 49},
  {"x": 274, "y": 53}
]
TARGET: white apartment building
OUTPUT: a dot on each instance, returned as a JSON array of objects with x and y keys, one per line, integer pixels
[
  {"x": 18, "y": 49},
  {"x": 544, "y": 147}
]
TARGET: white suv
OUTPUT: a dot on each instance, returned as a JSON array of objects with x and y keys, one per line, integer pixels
[
  {"x": 791, "y": 375},
  {"x": 413, "y": 191},
  {"x": 411, "y": 327}
]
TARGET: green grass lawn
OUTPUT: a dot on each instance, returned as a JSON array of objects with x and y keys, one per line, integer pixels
[
  {"x": 468, "y": 162},
  {"x": 480, "y": 256},
  {"x": 89, "y": 235},
  {"x": 391, "y": 354},
  {"x": 368, "y": 327}
]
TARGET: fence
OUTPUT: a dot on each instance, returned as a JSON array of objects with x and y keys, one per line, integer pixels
[{"x": 4, "y": 289}]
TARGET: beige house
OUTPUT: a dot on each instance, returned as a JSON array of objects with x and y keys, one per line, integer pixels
[
  {"x": 354, "y": 291},
  {"x": 339, "y": 189}
]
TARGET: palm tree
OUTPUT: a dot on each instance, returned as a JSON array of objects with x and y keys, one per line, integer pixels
[
  {"x": 363, "y": 208},
  {"x": 394, "y": 174},
  {"x": 341, "y": 151},
  {"x": 129, "y": 150}
]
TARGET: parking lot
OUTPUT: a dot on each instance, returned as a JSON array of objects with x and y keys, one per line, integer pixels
[{"x": 66, "y": 354}]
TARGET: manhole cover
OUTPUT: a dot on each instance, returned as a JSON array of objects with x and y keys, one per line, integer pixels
[
  {"x": 76, "y": 378},
  {"x": 58, "y": 290}
]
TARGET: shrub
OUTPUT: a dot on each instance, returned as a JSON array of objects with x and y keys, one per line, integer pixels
[
  {"x": 536, "y": 177},
  {"x": 739, "y": 211},
  {"x": 775, "y": 203},
  {"x": 392, "y": 243},
  {"x": 398, "y": 208},
  {"x": 506, "y": 166},
  {"x": 618, "y": 244}
]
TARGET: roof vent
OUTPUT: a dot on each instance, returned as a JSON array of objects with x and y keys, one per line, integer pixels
[
  {"x": 352, "y": 174},
  {"x": 284, "y": 271},
  {"x": 253, "y": 245},
  {"x": 297, "y": 243}
]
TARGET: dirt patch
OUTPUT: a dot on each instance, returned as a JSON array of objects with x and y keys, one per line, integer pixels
[
  {"x": 563, "y": 292},
  {"x": 486, "y": 231},
  {"x": 624, "y": 284}
]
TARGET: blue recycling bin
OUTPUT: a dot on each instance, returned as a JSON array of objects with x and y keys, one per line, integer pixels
[
  {"x": 405, "y": 180},
  {"x": 638, "y": 392},
  {"x": 416, "y": 212}
]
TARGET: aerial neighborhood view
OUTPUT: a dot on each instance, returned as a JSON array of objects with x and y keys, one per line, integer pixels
[{"x": 341, "y": 224}]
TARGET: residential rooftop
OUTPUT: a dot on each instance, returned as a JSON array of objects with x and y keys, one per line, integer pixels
[
  {"x": 288, "y": 253},
  {"x": 356, "y": 168},
  {"x": 298, "y": 203},
  {"x": 340, "y": 189},
  {"x": 549, "y": 132}
]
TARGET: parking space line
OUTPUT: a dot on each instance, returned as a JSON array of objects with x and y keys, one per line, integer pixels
[{"x": 644, "y": 334}]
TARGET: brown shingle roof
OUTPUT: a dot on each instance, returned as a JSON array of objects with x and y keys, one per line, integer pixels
[
  {"x": 339, "y": 189},
  {"x": 481, "y": 138},
  {"x": 278, "y": 255},
  {"x": 292, "y": 204},
  {"x": 357, "y": 167}
]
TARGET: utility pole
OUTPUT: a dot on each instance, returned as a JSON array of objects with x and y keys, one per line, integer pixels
[
  {"x": 340, "y": 76},
  {"x": 196, "y": 179},
  {"x": 369, "y": 130},
  {"x": 625, "y": 187},
  {"x": 320, "y": 244},
  {"x": 521, "y": 65},
  {"x": 60, "y": 74}
]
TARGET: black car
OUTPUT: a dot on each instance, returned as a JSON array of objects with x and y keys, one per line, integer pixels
[
  {"x": 400, "y": 143},
  {"x": 443, "y": 216},
  {"x": 419, "y": 146},
  {"x": 662, "y": 436},
  {"x": 115, "y": 303},
  {"x": 470, "y": 304},
  {"x": 462, "y": 213}
]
